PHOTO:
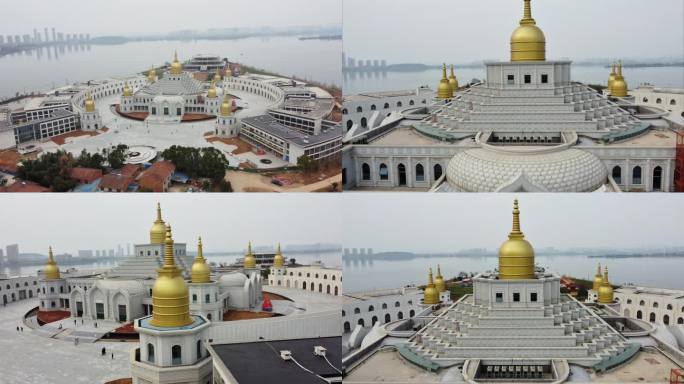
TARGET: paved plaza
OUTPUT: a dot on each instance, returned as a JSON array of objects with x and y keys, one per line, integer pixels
[{"x": 30, "y": 358}]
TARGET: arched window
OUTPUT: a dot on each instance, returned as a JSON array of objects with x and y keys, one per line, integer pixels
[
  {"x": 347, "y": 327},
  {"x": 673, "y": 102},
  {"x": 659, "y": 101},
  {"x": 629, "y": 301},
  {"x": 320, "y": 288},
  {"x": 304, "y": 285},
  {"x": 357, "y": 311},
  {"x": 384, "y": 305},
  {"x": 344, "y": 313},
  {"x": 636, "y": 175},
  {"x": 374, "y": 320},
  {"x": 639, "y": 315},
  {"x": 371, "y": 308},
  {"x": 399, "y": 104},
  {"x": 336, "y": 291},
  {"x": 680, "y": 320},
  {"x": 411, "y": 102},
  {"x": 666, "y": 319},
  {"x": 412, "y": 313},
  {"x": 652, "y": 317},
  {"x": 420, "y": 173},
  {"x": 642, "y": 303},
  {"x": 400, "y": 315},
  {"x": 327, "y": 289},
  {"x": 207, "y": 298},
  {"x": 365, "y": 171},
  {"x": 344, "y": 111},
  {"x": 194, "y": 298},
  {"x": 373, "y": 108},
  {"x": 199, "y": 349},
  {"x": 359, "y": 109},
  {"x": 669, "y": 307},
  {"x": 209, "y": 314},
  {"x": 437, "y": 171},
  {"x": 349, "y": 124},
  {"x": 655, "y": 304},
  {"x": 388, "y": 318},
  {"x": 150, "y": 353},
  {"x": 364, "y": 122},
  {"x": 396, "y": 304},
  {"x": 384, "y": 172},
  {"x": 657, "y": 178},
  {"x": 176, "y": 357},
  {"x": 645, "y": 99},
  {"x": 617, "y": 174}
]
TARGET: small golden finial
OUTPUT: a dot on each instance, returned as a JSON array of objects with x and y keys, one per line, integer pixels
[
  {"x": 527, "y": 17},
  {"x": 430, "y": 277},
  {"x": 516, "y": 220},
  {"x": 444, "y": 73},
  {"x": 200, "y": 255},
  {"x": 168, "y": 248}
]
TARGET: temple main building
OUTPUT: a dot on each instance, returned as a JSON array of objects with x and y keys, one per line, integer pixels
[{"x": 527, "y": 127}]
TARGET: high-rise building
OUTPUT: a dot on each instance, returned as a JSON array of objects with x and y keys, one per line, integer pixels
[{"x": 12, "y": 253}]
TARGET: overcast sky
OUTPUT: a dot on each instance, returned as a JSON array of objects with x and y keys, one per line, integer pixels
[
  {"x": 135, "y": 16},
  {"x": 464, "y": 31},
  {"x": 75, "y": 221},
  {"x": 451, "y": 222}
]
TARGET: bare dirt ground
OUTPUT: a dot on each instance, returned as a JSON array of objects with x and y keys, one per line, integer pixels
[
  {"x": 242, "y": 146},
  {"x": 646, "y": 367},
  {"x": 61, "y": 139},
  {"x": 254, "y": 182}
]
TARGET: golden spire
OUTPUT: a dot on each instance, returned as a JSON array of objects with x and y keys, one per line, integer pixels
[
  {"x": 619, "y": 85},
  {"x": 226, "y": 106},
  {"x": 176, "y": 67},
  {"x": 598, "y": 279},
  {"x": 439, "y": 280},
  {"x": 430, "y": 295},
  {"x": 158, "y": 230},
  {"x": 516, "y": 255},
  {"x": 127, "y": 90},
  {"x": 217, "y": 76},
  {"x": 89, "y": 103},
  {"x": 527, "y": 41},
  {"x": 278, "y": 259},
  {"x": 250, "y": 260},
  {"x": 211, "y": 94},
  {"x": 170, "y": 304},
  {"x": 200, "y": 272},
  {"x": 152, "y": 75},
  {"x": 453, "y": 82},
  {"x": 444, "y": 90},
  {"x": 51, "y": 270},
  {"x": 611, "y": 78},
  {"x": 605, "y": 292}
]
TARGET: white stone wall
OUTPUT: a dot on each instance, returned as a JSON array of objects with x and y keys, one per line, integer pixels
[
  {"x": 668, "y": 99},
  {"x": 50, "y": 292},
  {"x": 362, "y": 112},
  {"x": 206, "y": 301},
  {"x": 311, "y": 278},
  {"x": 382, "y": 309},
  {"x": 19, "y": 288},
  {"x": 657, "y": 308}
]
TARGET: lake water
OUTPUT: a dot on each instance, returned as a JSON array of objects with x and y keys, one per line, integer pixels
[
  {"x": 47, "y": 68},
  {"x": 331, "y": 259},
  {"x": 358, "y": 82},
  {"x": 645, "y": 271}
]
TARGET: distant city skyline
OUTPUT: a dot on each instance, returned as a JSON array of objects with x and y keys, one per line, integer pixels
[
  {"x": 449, "y": 222},
  {"x": 465, "y": 31},
  {"x": 71, "y": 222}
]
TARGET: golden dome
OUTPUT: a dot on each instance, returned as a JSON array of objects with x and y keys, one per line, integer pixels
[
  {"x": 211, "y": 94},
  {"x": 127, "y": 90},
  {"x": 170, "y": 304},
  {"x": 226, "y": 106},
  {"x": 430, "y": 295},
  {"x": 619, "y": 85},
  {"x": 250, "y": 260},
  {"x": 51, "y": 270},
  {"x": 516, "y": 255},
  {"x": 158, "y": 230},
  {"x": 176, "y": 66},
  {"x": 200, "y": 272},
  {"x": 444, "y": 90},
  {"x": 217, "y": 76},
  {"x": 439, "y": 280},
  {"x": 598, "y": 279},
  {"x": 605, "y": 292},
  {"x": 527, "y": 41},
  {"x": 611, "y": 78},
  {"x": 89, "y": 103},
  {"x": 152, "y": 75},
  {"x": 453, "y": 82},
  {"x": 278, "y": 259}
]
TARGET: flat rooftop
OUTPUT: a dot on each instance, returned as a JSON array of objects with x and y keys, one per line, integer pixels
[
  {"x": 406, "y": 135},
  {"x": 386, "y": 94},
  {"x": 269, "y": 124},
  {"x": 354, "y": 297},
  {"x": 260, "y": 362}
]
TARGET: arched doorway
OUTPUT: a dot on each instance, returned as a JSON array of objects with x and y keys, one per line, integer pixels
[
  {"x": 361, "y": 323},
  {"x": 400, "y": 315},
  {"x": 617, "y": 174},
  {"x": 680, "y": 320},
  {"x": 388, "y": 318},
  {"x": 666, "y": 320},
  {"x": 657, "y": 178},
  {"x": 652, "y": 317},
  {"x": 347, "y": 327},
  {"x": 384, "y": 172},
  {"x": 639, "y": 315},
  {"x": 374, "y": 320},
  {"x": 4, "y": 299},
  {"x": 412, "y": 313},
  {"x": 437, "y": 171},
  {"x": 365, "y": 171},
  {"x": 364, "y": 122},
  {"x": 401, "y": 169},
  {"x": 349, "y": 124}
]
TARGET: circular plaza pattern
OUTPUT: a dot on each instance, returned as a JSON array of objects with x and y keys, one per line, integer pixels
[{"x": 140, "y": 154}]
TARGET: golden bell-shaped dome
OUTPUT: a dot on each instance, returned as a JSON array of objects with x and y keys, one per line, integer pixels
[
  {"x": 211, "y": 94},
  {"x": 200, "y": 272},
  {"x": 605, "y": 292},
  {"x": 611, "y": 78},
  {"x": 619, "y": 85},
  {"x": 528, "y": 42},
  {"x": 152, "y": 75},
  {"x": 250, "y": 260},
  {"x": 176, "y": 66},
  {"x": 453, "y": 82},
  {"x": 89, "y": 103},
  {"x": 598, "y": 279},
  {"x": 430, "y": 295},
  {"x": 278, "y": 259},
  {"x": 158, "y": 230},
  {"x": 170, "y": 303},
  {"x": 51, "y": 270},
  {"x": 516, "y": 255},
  {"x": 444, "y": 90},
  {"x": 127, "y": 90},
  {"x": 439, "y": 280},
  {"x": 217, "y": 76},
  {"x": 226, "y": 106}
]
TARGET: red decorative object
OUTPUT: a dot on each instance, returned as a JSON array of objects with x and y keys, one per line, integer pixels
[{"x": 267, "y": 306}]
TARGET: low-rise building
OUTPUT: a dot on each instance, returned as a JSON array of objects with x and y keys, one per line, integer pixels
[
  {"x": 656, "y": 305},
  {"x": 157, "y": 178},
  {"x": 380, "y": 306},
  {"x": 17, "y": 288}
]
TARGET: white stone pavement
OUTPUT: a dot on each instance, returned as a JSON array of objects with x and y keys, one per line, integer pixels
[{"x": 28, "y": 358}]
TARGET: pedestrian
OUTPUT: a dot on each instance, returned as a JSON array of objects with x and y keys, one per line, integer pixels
[
  {"x": 104, "y": 351},
  {"x": 17, "y": 329},
  {"x": 81, "y": 321},
  {"x": 96, "y": 325},
  {"x": 74, "y": 322},
  {"x": 22, "y": 329},
  {"x": 112, "y": 355}
]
